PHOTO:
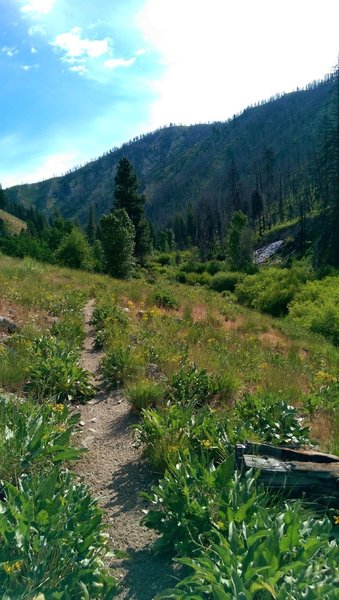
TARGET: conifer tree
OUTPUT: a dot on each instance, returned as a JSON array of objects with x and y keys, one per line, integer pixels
[
  {"x": 117, "y": 234},
  {"x": 91, "y": 228},
  {"x": 127, "y": 197},
  {"x": 239, "y": 242}
]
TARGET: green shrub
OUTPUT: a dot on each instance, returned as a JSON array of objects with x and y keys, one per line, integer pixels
[
  {"x": 110, "y": 323},
  {"x": 271, "y": 553},
  {"x": 271, "y": 290},
  {"x": 33, "y": 436},
  {"x": 198, "y": 278},
  {"x": 112, "y": 313},
  {"x": 56, "y": 374},
  {"x": 194, "y": 267},
  {"x": 316, "y": 308},
  {"x": 271, "y": 419},
  {"x": 181, "y": 277},
  {"x": 164, "y": 259},
  {"x": 52, "y": 541},
  {"x": 165, "y": 299},
  {"x": 214, "y": 266},
  {"x": 70, "y": 330},
  {"x": 226, "y": 281},
  {"x": 118, "y": 366},
  {"x": 75, "y": 251},
  {"x": 145, "y": 394},
  {"x": 70, "y": 302},
  {"x": 191, "y": 385},
  {"x": 187, "y": 503},
  {"x": 178, "y": 430}
]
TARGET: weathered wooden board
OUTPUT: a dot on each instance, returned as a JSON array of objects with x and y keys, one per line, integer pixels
[{"x": 298, "y": 472}]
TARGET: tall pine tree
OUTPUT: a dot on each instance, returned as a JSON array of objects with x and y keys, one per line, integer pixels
[{"x": 128, "y": 197}]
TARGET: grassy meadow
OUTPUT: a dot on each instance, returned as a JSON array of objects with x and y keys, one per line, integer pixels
[{"x": 204, "y": 372}]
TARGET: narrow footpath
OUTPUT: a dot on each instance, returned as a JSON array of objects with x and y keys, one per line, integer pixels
[{"x": 116, "y": 473}]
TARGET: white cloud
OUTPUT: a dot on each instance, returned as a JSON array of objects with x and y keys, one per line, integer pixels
[
  {"x": 38, "y": 7},
  {"x": 217, "y": 57},
  {"x": 80, "y": 69},
  {"x": 28, "y": 67},
  {"x": 76, "y": 48},
  {"x": 33, "y": 50},
  {"x": 140, "y": 52},
  {"x": 113, "y": 63},
  {"x": 9, "y": 51}
]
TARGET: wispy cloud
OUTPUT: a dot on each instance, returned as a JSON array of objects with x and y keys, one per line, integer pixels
[
  {"x": 9, "y": 50},
  {"x": 76, "y": 48},
  {"x": 81, "y": 69},
  {"x": 38, "y": 7},
  {"x": 113, "y": 63},
  {"x": 37, "y": 30},
  {"x": 28, "y": 67}
]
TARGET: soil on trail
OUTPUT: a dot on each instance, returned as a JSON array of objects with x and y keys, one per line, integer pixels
[{"x": 116, "y": 473}]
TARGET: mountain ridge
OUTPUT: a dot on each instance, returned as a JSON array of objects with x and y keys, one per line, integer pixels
[{"x": 185, "y": 164}]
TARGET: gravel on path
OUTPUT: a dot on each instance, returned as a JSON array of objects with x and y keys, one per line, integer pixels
[{"x": 116, "y": 473}]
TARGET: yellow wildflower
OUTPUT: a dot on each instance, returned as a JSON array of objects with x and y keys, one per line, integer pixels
[
  {"x": 336, "y": 520},
  {"x": 60, "y": 428},
  {"x": 11, "y": 568}
]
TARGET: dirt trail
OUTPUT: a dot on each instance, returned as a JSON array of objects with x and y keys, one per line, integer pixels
[{"x": 116, "y": 473}]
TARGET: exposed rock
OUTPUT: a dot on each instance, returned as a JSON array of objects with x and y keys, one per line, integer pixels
[
  {"x": 264, "y": 253},
  {"x": 7, "y": 325}
]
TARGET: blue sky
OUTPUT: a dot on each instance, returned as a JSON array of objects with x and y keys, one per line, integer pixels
[{"x": 81, "y": 76}]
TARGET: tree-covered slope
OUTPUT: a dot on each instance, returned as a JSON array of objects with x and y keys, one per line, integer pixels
[{"x": 179, "y": 165}]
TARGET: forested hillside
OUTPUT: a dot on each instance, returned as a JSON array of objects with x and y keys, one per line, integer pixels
[{"x": 269, "y": 146}]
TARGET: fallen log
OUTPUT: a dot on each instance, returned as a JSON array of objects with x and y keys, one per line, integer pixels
[{"x": 295, "y": 472}]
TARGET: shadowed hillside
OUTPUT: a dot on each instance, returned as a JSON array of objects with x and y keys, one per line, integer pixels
[{"x": 179, "y": 165}]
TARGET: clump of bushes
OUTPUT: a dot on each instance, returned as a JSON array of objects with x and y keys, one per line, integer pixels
[
  {"x": 33, "y": 436},
  {"x": 110, "y": 323},
  {"x": 254, "y": 550},
  {"x": 268, "y": 417},
  {"x": 55, "y": 373},
  {"x": 145, "y": 394},
  {"x": 52, "y": 543},
  {"x": 191, "y": 385},
  {"x": 116, "y": 366},
  {"x": 316, "y": 308},
  {"x": 271, "y": 290},
  {"x": 165, "y": 299},
  {"x": 194, "y": 278},
  {"x": 223, "y": 281},
  {"x": 164, "y": 259}
]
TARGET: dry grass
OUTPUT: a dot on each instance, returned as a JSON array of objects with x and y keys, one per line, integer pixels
[
  {"x": 255, "y": 351},
  {"x": 14, "y": 224}
]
